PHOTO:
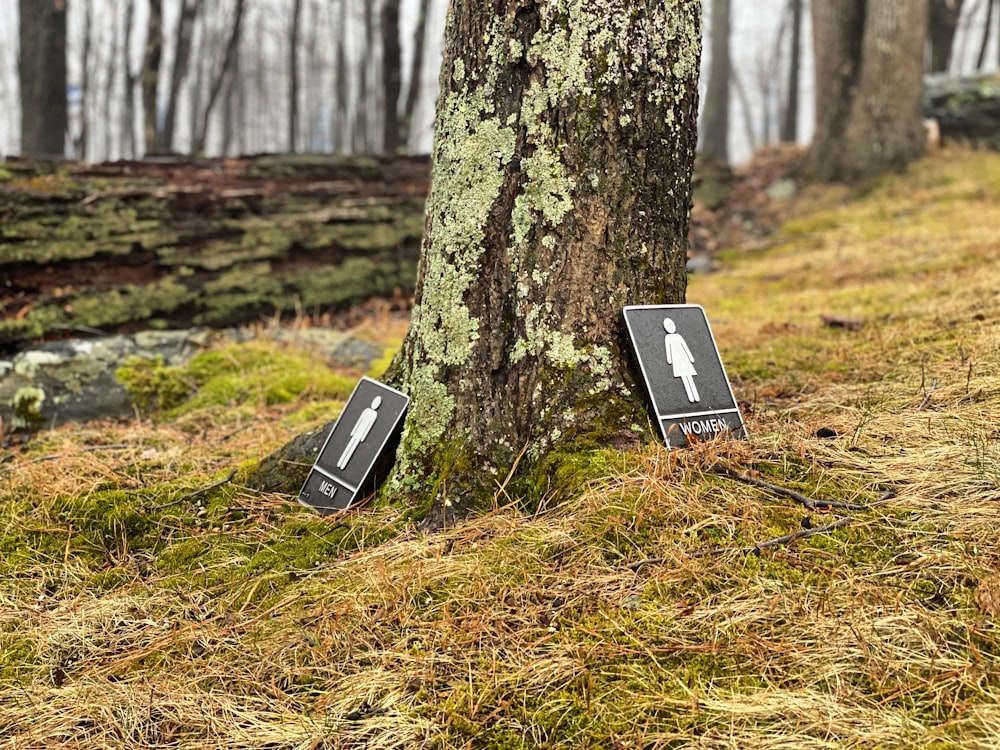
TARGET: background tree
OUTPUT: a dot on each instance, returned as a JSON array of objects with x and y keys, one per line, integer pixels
[
  {"x": 790, "y": 119},
  {"x": 391, "y": 75},
  {"x": 226, "y": 69},
  {"x": 715, "y": 116},
  {"x": 941, "y": 27},
  {"x": 294, "y": 37},
  {"x": 182, "y": 55},
  {"x": 42, "y": 73},
  {"x": 563, "y": 153},
  {"x": 151, "y": 73},
  {"x": 869, "y": 57}
]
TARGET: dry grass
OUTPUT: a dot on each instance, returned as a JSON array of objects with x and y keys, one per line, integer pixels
[{"x": 131, "y": 617}]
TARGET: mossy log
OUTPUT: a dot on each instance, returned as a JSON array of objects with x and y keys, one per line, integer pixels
[
  {"x": 174, "y": 243},
  {"x": 967, "y": 110}
]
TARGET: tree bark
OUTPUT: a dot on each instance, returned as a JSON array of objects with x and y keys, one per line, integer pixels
[
  {"x": 715, "y": 117},
  {"x": 562, "y": 166},
  {"x": 42, "y": 74},
  {"x": 128, "y": 116},
  {"x": 869, "y": 87},
  {"x": 151, "y": 74}
]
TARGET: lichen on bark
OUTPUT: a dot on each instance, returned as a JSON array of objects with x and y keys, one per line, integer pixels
[{"x": 563, "y": 152}]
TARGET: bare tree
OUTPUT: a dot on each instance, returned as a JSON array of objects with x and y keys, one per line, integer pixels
[
  {"x": 790, "y": 121},
  {"x": 227, "y": 68},
  {"x": 391, "y": 75},
  {"x": 110, "y": 78},
  {"x": 42, "y": 75},
  {"x": 339, "y": 125},
  {"x": 416, "y": 70},
  {"x": 128, "y": 115},
  {"x": 83, "y": 137},
  {"x": 151, "y": 73},
  {"x": 182, "y": 55},
  {"x": 715, "y": 117},
  {"x": 941, "y": 28},
  {"x": 293, "y": 67}
]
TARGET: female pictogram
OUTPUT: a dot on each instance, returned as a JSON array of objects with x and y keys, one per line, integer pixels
[
  {"x": 360, "y": 431},
  {"x": 680, "y": 358}
]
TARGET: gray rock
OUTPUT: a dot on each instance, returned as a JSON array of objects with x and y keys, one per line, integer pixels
[
  {"x": 782, "y": 190},
  {"x": 74, "y": 381}
]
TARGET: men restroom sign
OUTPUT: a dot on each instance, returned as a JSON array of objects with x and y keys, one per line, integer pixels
[
  {"x": 680, "y": 363},
  {"x": 359, "y": 449}
]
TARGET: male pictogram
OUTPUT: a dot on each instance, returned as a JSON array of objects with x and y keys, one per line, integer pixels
[
  {"x": 360, "y": 431},
  {"x": 679, "y": 356}
]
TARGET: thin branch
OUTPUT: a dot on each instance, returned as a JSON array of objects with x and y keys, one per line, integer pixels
[
  {"x": 809, "y": 502},
  {"x": 786, "y": 539},
  {"x": 753, "y": 548},
  {"x": 196, "y": 493},
  {"x": 927, "y": 396},
  {"x": 85, "y": 449}
]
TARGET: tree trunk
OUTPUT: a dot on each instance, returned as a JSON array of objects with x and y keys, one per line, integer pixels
[
  {"x": 42, "y": 72},
  {"x": 339, "y": 128},
  {"x": 110, "y": 74},
  {"x": 715, "y": 118},
  {"x": 416, "y": 72},
  {"x": 128, "y": 116},
  {"x": 391, "y": 75},
  {"x": 182, "y": 55},
  {"x": 562, "y": 166},
  {"x": 790, "y": 122},
  {"x": 293, "y": 68},
  {"x": 942, "y": 25},
  {"x": 83, "y": 140},
  {"x": 228, "y": 65},
  {"x": 869, "y": 75},
  {"x": 151, "y": 74},
  {"x": 366, "y": 90},
  {"x": 178, "y": 243}
]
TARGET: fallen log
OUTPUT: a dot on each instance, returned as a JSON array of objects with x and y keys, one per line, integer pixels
[
  {"x": 967, "y": 110},
  {"x": 173, "y": 243}
]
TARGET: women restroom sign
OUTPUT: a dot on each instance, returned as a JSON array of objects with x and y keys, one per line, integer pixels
[
  {"x": 680, "y": 363},
  {"x": 359, "y": 449}
]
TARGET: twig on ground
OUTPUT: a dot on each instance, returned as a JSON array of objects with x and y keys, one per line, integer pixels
[
  {"x": 195, "y": 493},
  {"x": 786, "y": 539},
  {"x": 753, "y": 548},
  {"x": 809, "y": 502},
  {"x": 927, "y": 396},
  {"x": 85, "y": 449}
]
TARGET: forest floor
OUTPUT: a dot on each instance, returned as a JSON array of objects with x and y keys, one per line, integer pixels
[{"x": 668, "y": 599}]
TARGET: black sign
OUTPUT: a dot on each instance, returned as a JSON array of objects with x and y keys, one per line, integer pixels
[
  {"x": 683, "y": 371},
  {"x": 359, "y": 449}
]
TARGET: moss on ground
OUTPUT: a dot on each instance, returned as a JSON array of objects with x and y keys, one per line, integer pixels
[{"x": 618, "y": 599}]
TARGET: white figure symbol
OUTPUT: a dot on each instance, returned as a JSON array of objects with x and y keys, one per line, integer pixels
[
  {"x": 360, "y": 432},
  {"x": 680, "y": 357}
]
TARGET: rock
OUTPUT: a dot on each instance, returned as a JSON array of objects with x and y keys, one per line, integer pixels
[
  {"x": 782, "y": 190},
  {"x": 701, "y": 263},
  {"x": 74, "y": 380}
]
